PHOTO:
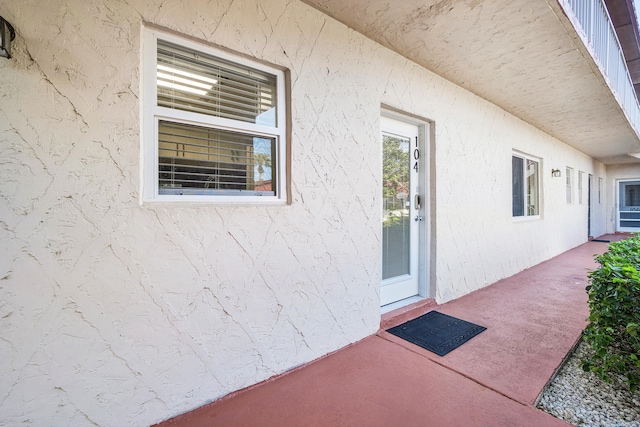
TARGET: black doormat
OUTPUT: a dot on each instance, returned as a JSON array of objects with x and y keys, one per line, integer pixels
[{"x": 437, "y": 332}]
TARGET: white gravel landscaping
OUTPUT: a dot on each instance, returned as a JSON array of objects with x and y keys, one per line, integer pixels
[{"x": 583, "y": 399}]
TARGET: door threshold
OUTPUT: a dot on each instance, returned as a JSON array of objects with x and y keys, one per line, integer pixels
[
  {"x": 399, "y": 312},
  {"x": 399, "y": 304}
]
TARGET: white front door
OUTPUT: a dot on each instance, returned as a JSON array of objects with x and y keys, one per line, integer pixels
[
  {"x": 629, "y": 206},
  {"x": 402, "y": 211}
]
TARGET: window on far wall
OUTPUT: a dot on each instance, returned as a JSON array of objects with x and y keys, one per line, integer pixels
[
  {"x": 569, "y": 185},
  {"x": 580, "y": 179},
  {"x": 599, "y": 190},
  {"x": 214, "y": 125},
  {"x": 525, "y": 174}
]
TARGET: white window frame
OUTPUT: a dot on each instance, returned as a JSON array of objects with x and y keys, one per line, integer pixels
[
  {"x": 569, "y": 186},
  {"x": 152, "y": 114},
  {"x": 538, "y": 160}
]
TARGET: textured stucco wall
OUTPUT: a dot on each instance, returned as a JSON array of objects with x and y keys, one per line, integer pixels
[{"x": 115, "y": 314}]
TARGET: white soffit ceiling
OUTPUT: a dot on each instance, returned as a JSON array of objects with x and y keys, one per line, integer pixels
[{"x": 522, "y": 55}]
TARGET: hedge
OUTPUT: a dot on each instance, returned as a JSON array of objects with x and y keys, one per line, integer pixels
[{"x": 614, "y": 303}]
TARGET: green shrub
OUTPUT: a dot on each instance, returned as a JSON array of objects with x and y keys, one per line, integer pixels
[{"x": 614, "y": 303}]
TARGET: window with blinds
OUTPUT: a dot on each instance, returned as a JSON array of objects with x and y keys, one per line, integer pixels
[
  {"x": 198, "y": 160},
  {"x": 193, "y": 81},
  {"x": 217, "y": 124},
  {"x": 580, "y": 179},
  {"x": 569, "y": 185},
  {"x": 525, "y": 185},
  {"x": 517, "y": 186}
]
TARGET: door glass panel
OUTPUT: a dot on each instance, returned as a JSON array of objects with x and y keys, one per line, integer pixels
[
  {"x": 630, "y": 224},
  {"x": 632, "y": 195},
  {"x": 396, "y": 204}
]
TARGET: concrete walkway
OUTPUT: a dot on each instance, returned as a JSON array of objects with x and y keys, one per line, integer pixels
[{"x": 533, "y": 319}]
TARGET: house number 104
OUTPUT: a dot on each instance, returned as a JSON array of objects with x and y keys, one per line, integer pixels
[{"x": 416, "y": 156}]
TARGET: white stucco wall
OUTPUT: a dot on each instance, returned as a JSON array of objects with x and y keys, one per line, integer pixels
[
  {"x": 616, "y": 173},
  {"x": 478, "y": 241},
  {"x": 117, "y": 314}
]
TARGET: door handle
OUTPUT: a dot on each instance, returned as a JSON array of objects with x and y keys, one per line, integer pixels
[{"x": 419, "y": 218}]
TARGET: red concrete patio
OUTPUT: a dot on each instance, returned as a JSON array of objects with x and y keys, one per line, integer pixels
[{"x": 533, "y": 320}]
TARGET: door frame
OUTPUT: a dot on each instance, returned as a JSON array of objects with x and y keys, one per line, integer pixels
[
  {"x": 589, "y": 206},
  {"x": 426, "y": 288},
  {"x": 618, "y": 183}
]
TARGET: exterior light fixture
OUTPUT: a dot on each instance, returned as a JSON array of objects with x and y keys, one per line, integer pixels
[
  {"x": 7, "y": 34},
  {"x": 556, "y": 173}
]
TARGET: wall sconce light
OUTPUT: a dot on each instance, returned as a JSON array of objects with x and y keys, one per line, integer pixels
[
  {"x": 7, "y": 34},
  {"x": 556, "y": 173}
]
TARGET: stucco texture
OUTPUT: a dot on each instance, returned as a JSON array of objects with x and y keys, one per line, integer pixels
[{"x": 114, "y": 312}]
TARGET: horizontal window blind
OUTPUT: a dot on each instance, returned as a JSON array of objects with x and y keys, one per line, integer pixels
[
  {"x": 193, "y": 81},
  {"x": 200, "y": 160}
]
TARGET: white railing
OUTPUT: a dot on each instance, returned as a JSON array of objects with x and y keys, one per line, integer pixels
[{"x": 596, "y": 29}]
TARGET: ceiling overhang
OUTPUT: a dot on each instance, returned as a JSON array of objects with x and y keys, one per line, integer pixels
[{"x": 522, "y": 55}]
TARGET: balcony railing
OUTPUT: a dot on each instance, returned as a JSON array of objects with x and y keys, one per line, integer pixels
[{"x": 592, "y": 22}]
